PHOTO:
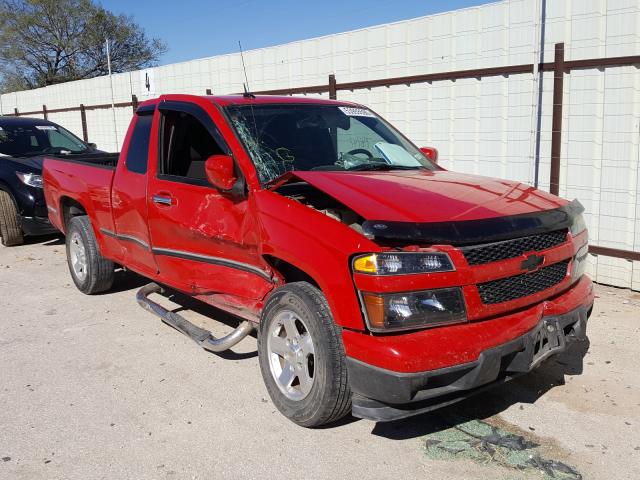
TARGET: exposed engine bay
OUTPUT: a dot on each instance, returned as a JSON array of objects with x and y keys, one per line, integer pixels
[{"x": 310, "y": 196}]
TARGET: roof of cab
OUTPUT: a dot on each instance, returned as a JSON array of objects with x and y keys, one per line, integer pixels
[{"x": 225, "y": 100}]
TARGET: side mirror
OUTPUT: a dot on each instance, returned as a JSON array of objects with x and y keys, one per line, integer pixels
[
  {"x": 92, "y": 146},
  {"x": 431, "y": 153},
  {"x": 220, "y": 171}
]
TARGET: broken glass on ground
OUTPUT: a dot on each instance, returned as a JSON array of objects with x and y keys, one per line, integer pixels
[{"x": 484, "y": 443}]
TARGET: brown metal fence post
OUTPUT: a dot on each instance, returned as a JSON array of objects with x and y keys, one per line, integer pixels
[
  {"x": 134, "y": 103},
  {"x": 44, "y": 112},
  {"x": 15, "y": 112},
  {"x": 333, "y": 94},
  {"x": 556, "y": 123},
  {"x": 83, "y": 117}
]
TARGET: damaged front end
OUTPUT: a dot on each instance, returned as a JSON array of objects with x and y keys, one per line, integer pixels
[
  {"x": 473, "y": 232},
  {"x": 293, "y": 187}
]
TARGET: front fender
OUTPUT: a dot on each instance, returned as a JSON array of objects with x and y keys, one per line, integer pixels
[{"x": 318, "y": 245}]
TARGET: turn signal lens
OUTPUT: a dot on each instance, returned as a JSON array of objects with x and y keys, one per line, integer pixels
[
  {"x": 374, "y": 305},
  {"x": 366, "y": 264}
]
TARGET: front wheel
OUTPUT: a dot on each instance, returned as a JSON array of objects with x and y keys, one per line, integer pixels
[
  {"x": 91, "y": 272},
  {"x": 10, "y": 229},
  {"x": 302, "y": 357}
]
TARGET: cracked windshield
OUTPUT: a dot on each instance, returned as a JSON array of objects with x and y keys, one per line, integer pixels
[{"x": 281, "y": 138}]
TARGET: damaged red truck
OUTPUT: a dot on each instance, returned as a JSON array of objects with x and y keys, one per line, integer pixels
[{"x": 379, "y": 283}]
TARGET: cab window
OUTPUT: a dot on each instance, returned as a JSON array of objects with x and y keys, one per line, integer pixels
[
  {"x": 185, "y": 146},
  {"x": 138, "y": 151}
]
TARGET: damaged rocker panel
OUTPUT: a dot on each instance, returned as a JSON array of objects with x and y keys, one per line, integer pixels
[
  {"x": 223, "y": 262},
  {"x": 191, "y": 256},
  {"x": 126, "y": 238}
]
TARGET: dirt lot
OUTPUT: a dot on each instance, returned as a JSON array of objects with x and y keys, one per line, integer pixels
[{"x": 94, "y": 387}]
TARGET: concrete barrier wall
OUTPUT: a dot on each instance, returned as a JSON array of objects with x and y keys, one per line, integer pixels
[{"x": 486, "y": 126}]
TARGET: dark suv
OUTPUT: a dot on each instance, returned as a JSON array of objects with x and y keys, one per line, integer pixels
[{"x": 23, "y": 144}]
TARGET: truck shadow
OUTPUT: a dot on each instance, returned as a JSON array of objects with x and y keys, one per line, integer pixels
[
  {"x": 52, "y": 240},
  {"x": 213, "y": 313},
  {"x": 126, "y": 280},
  {"x": 526, "y": 389}
]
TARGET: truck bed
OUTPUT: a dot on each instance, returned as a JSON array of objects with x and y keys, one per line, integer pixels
[
  {"x": 84, "y": 180},
  {"x": 108, "y": 160}
]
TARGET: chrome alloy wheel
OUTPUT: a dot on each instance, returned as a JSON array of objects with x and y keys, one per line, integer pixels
[
  {"x": 78, "y": 256},
  {"x": 291, "y": 355}
]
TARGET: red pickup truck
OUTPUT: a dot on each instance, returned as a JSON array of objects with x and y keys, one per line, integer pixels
[{"x": 379, "y": 283}]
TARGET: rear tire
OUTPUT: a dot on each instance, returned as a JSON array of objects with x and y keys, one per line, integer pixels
[
  {"x": 10, "y": 229},
  {"x": 302, "y": 358},
  {"x": 91, "y": 272}
]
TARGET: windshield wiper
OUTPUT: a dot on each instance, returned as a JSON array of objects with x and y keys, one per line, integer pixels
[{"x": 381, "y": 166}]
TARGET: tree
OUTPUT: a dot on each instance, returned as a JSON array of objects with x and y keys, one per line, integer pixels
[{"x": 44, "y": 42}]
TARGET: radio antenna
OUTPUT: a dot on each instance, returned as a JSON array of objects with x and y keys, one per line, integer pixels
[{"x": 247, "y": 93}]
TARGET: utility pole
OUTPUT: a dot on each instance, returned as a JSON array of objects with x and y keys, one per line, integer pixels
[{"x": 113, "y": 106}]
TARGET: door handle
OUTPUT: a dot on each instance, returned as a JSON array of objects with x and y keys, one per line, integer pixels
[{"x": 162, "y": 200}]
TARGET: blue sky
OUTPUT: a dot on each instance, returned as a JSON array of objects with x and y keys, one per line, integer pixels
[{"x": 201, "y": 28}]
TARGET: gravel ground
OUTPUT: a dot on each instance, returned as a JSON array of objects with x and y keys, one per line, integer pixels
[{"x": 94, "y": 387}]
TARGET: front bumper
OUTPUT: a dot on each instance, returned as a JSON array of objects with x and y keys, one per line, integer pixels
[{"x": 384, "y": 395}]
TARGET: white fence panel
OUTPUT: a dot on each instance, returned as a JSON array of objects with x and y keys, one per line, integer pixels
[{"x": 485, "y": 126}]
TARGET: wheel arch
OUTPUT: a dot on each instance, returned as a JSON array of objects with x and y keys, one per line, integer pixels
[
  {"x": 325, "y": 271},
  {"x": 289, "y": 272},
  {"x": 5, "y": 187},
  {"x": 69, "y": 208}
]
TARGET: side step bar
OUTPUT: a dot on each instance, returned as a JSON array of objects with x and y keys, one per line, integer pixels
[{"x": 202, "y": 337}]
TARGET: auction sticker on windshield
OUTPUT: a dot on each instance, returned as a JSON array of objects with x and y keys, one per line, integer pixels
[
  {"x": 46, "y": 127},
  {"x": 356, "y": 112}
]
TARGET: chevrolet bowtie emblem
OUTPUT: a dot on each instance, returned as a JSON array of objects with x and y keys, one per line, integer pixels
[{"x": 532, "y": 262}]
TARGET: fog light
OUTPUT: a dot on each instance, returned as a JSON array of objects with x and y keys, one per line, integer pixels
[{"x": 411, "y": 310}]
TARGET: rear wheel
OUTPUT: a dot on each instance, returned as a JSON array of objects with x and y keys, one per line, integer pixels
[
  {"x": 302, "y": 357},
  {"x": 91, "y": 272},
  {"x": 10, "y": 229}
]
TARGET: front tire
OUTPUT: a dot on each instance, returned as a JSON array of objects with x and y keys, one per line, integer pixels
[
  {"x": 91, "y": 272},
  {"x": 302, "y": 357},
  {"x": 10, "y": 229}
]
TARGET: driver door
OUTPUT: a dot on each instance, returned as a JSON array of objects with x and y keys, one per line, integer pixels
[{"x": 204, "y": 241}]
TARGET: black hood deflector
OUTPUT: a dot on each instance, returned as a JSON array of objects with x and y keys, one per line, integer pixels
[{"x": 471, "y": 232}]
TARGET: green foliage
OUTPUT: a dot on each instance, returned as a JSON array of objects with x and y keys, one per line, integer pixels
[{"x": 43, "y": 42}]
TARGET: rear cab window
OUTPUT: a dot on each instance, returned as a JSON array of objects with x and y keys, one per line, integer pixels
[{"x": 138, "y": 151}]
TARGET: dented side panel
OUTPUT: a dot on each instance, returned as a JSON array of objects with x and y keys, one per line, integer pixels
[
  {"x": 317, "y": 244},
  {"x": 202, "y": 243},
  {"x": 206, "y": 242}
]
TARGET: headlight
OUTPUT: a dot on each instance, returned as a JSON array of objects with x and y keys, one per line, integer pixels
[
  {"x": 411, "y": 310},
  {"x": 30, "y": 179},
  {"x": 578, "y": 225},
  {"x": 402, "y": 263},
  {"x": 579, "y": 264}
]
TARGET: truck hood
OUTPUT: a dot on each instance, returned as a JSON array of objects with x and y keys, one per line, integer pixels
[{"x": 420, "y": 196}]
